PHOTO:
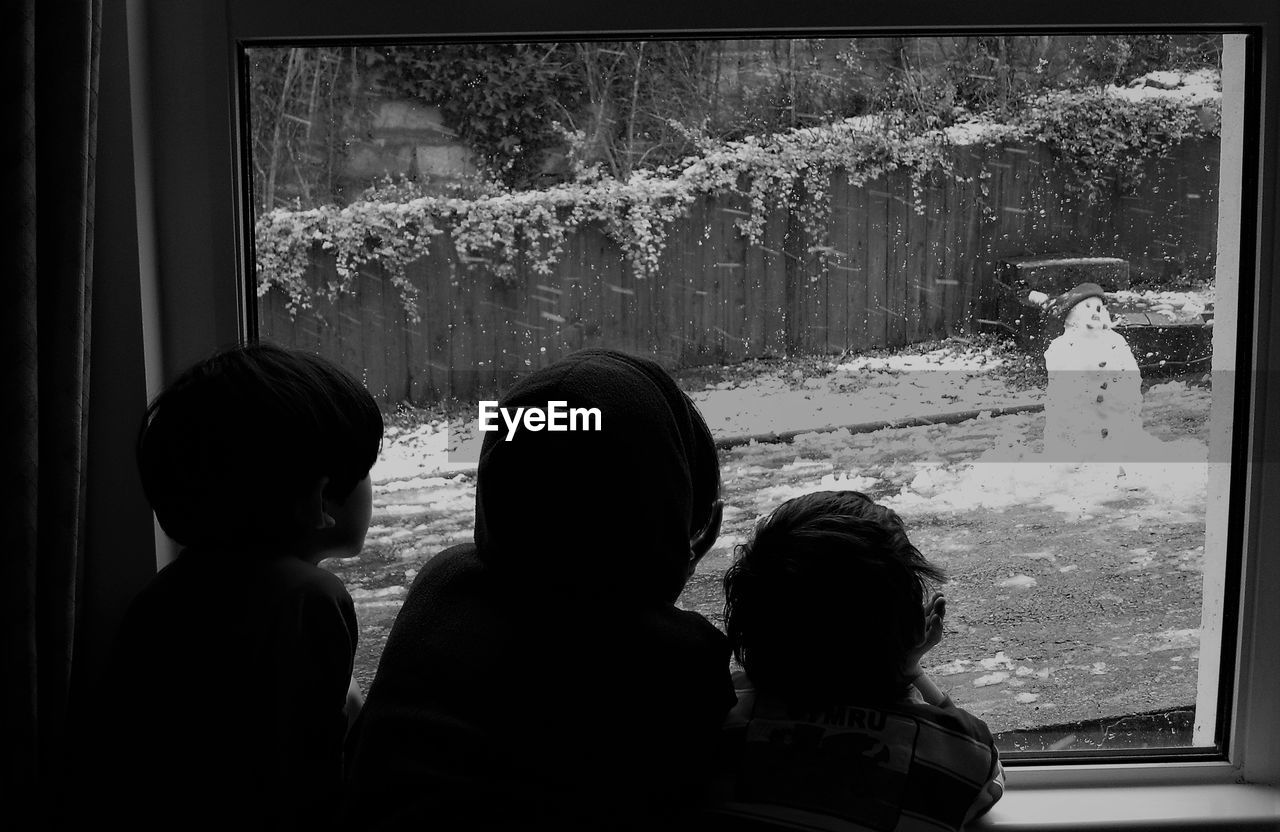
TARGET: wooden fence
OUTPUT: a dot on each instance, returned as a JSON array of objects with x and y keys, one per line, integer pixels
[{"x": 894, "y": 275}]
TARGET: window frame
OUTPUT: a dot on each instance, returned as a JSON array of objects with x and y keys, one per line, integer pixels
[{"x": 184, "y": 65}]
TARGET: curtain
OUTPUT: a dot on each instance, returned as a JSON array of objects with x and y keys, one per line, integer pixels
[{"x": 50, "y": 55}]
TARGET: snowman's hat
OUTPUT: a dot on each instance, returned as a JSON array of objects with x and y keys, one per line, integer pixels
[{"x": 1062, "y": 304}]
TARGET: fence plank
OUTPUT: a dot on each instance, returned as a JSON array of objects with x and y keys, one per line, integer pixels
[
  {"x": 775, "y": 298},
  {"x": 839, "y": 269},
  {"x": 917, "y": 274},
  {"x": 740, "y": 310},
  {"x": 758, "y": 316},
  {"x": 591, "y": 278},
  {"x": 376, "y": 354},
  {"x": 858, "y": 326},
  {"x": 932, "y": 223},
  {"x": 716, "y": 284},
  {"x": 879, "y": 253},
  {"x": 462, "y": 374},
  {"x": 972, "y": 206},
  {"x": 948, "y": 271},
  {"x": 675, "y": 264},
  {"x": 693, "y": 326},
  {"x": 812, "y": 293},
  {"x": 438, "y": 357},
  {"x": 500, "y": 311},
  {"x": 660, "y": 314},
  {"x": 641, "y": 310},
  {"x": 569, "y": 279},
  {"x": 897, "y": 282},
  {"x": 989, "y": 239}
]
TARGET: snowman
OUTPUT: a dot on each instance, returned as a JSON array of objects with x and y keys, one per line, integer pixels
[{"x": 1093, "y": 408}]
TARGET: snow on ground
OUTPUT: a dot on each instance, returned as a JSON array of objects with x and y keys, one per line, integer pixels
[
  {"x": 858, "y": 391},
  {"x": 1165, "y": 491},
  {"x": 986, "y": 463},
  {"x": 429, "y": 469},
  {"x": 412, "y": 458},
  {"x": 999, "y": 468}
]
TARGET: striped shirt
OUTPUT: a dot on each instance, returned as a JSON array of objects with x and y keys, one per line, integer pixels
[{"x": 906, "y": 767}]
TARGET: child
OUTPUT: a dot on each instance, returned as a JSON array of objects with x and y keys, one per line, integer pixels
[
  {"x": 836, "y": 726},
  {"x": 229, "y": 692},
  {"x": 543, "y": 677}
]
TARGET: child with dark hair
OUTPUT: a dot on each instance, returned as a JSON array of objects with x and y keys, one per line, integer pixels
[
  {"x": 542, "y": 677},
  {"x": 229, "y": 693},
  {"x": 829, "y": 609}
]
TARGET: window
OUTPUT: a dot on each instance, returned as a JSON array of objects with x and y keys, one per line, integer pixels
[
  {"x": 204, "y": 203},
  {"x": 839, "y": 245}
]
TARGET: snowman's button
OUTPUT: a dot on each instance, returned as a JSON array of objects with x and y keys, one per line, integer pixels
[
  {"x": 1104, "y": 385},
  {"x": 1099, "y": 399},
  {"x": 1104, "y": 433}
]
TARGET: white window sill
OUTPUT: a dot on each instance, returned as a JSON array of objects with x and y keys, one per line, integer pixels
[{"x": 1207, "y": 807}]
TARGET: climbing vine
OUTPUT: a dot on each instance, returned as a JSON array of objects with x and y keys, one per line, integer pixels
[
  {"x": 1104, "y": 139},
  {"x": 502, "y": 99}
]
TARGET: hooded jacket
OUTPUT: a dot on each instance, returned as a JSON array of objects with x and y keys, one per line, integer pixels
[{"x": 542, "y": 676}]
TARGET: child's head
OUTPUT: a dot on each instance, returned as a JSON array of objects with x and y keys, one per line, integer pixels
[
  {"x": 826, "y": 600},
  {"x": 609, "y": 513},
  {"x": 261, "y": 448}
]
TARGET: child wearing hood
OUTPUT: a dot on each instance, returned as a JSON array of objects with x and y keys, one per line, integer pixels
[{"x": 542, "y": 676}]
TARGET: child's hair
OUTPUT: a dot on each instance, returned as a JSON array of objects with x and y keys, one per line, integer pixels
[
  {"x": 825, "y": 601},
  {"x": 226, "y": 449}
]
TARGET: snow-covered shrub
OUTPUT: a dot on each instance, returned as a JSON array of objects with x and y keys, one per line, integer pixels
[{"x": 1104, "y": 138}]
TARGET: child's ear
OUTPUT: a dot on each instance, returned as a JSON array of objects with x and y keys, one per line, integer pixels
[{"x": 312, "y": 511}]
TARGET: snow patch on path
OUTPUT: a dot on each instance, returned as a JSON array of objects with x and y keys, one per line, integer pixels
[
  {"x": 864, "y": 389},
  {"x": 440, "y": 458}
]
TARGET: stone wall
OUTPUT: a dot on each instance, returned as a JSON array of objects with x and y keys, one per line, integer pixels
[{"x": 406, "y": 138}]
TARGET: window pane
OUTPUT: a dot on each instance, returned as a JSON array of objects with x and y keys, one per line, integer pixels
[{"x": 976, "y": 278}]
